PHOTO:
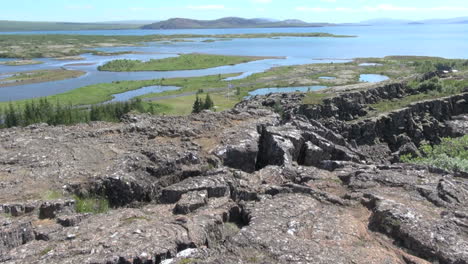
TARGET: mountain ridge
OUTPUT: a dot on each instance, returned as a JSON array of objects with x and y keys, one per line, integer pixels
[{"x": 229, "y": 22}]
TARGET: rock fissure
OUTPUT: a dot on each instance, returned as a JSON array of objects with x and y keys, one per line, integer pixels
[{"x": 321, "y": 185}]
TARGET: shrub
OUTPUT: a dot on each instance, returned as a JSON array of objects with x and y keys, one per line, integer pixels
[
  {"x": 451, "y": 154},
  {"x": 95, "y": 205}
]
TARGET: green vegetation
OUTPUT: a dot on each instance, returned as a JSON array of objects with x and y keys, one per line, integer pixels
[
  {"x": 184, "y": 105},
  {"x": 39, "y": 76},
  {"x": 180, "y": 102},
  {"x": 427, "y": 90},
  {"x": 200, "y": 105},
  {"x": 182, "y": 62},
  {"x": 94, "y": 205},
  {"x": 21, "y": 62},
  {"x": 99, "y": 93},
  {"x": 52, "y": 195},
  {"x": 314, "y": 98},
  {"x": 439, "y": 64},
  {"x": 451, "y": 154},
  {"x": 46, "y": 251},
  {"x": 42, "y": 111},
  {"x": 279, "y": 109},
  {"x": 189, "y": 260},
  {"x": 134, "y": 219}
]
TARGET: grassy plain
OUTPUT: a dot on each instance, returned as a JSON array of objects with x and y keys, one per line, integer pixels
[
  {"x": 39, "y": 76},
  {"x": 182, "y": 62},
  {"x": 347, "y": 74},
  {"x": 21, "y": 62}
]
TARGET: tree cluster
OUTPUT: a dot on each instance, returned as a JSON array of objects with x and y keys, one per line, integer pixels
[
  {"x": 200, "y": 104},
  {"x": 43, "y": 111}
]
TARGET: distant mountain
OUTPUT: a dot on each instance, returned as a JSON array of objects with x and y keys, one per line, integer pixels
[
  {"x": 8, "y": 26},
  {"x": 130, "y": 22},
  {"x": 229, "y": 22},
  {"x": 457, "y": 20},
  {"x": 390, "y": 21}
]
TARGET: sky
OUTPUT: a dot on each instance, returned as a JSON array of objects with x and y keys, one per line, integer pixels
[{"x": 333, "y": 11}]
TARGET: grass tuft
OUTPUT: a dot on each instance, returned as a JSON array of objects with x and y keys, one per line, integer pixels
[{"x": 94, "y": 205}]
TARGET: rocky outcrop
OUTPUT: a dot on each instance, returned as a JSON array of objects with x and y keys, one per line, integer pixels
[
  {"x": 14, "y": 234},
  {"x": 312, "y": 185}
]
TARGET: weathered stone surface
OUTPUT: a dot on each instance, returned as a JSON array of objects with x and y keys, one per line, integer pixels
[
  {"x": 52, "y": 209},
  {"x": 71, "y": 220},
  {"x": 191, "y": 201},
  {"x": 320, "y": 184},
  {"x": 17, "y": 209},
  {"x": 14, "y": 234},
  {"x": 216, "y": 186}
]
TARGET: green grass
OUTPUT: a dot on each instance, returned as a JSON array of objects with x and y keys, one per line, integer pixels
[
  {"x": 276, "y": 77},
  {"x": 315, "y": 98},
  {"x": 45, "y": 251},
  {"x": 182, "y": 62},
  {"x": 183, "y": 105},
  {"x": 189, "y": 261},
  {"x": 442, "y": 88},
  {"x": 98, "y": 93},
  {"x": 21, "y": 62},
  {"x": 92, "y": 94},
  {"x": 39, "y": 76},
  {"x": 52, "y": 195},
  {"x": 451, "y": 154},
  {"x": 94, "y": 205}
]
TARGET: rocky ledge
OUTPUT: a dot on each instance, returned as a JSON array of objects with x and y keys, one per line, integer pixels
[{"x": 242, "y": 186}]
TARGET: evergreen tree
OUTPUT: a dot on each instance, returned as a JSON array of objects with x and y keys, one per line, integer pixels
[
  {"x": 197, "y": 106},
  {"x": 208, "y": 102},
  {"x": 151, "y": 109},
  {"x": 11, "y": 117}
]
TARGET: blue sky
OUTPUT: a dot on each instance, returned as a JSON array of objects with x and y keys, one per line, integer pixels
[{"x": 308, "y": 10}]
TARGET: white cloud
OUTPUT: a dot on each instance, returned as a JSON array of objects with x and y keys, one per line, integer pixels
[
  {"x": 207, "y": 7},
  {"x": 79, "y": 7},
  {"x": 262, "y": 1},
  {"x": 381, "y": 7},
  {"x": 387, "y": 7}
]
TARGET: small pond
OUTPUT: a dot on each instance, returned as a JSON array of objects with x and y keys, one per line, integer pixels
[
  {"x": 372, "y": 78},
  {"x": 122, "y": 97},
  {"x": 265, "y": 91},
  {"x": 327, "y": 78}
]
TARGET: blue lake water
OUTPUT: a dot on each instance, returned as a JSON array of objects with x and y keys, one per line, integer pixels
[
  {"x": 265, "y": 91},
  {"x": 450, "y": 41},
  {"x": 372, "y": 78},
  {"x": 122, "y": 97}
]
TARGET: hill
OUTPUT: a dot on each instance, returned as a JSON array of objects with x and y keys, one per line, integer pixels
[
  {"x": 390, "y": 21},
  {"x": 9, "y": 26},
  {"x": 228, "y": 22}
]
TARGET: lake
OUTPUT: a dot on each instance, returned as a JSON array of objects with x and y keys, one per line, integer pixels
[
  {"x": 450, "y": 41},
  {"x": 265, "y": 91}
]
